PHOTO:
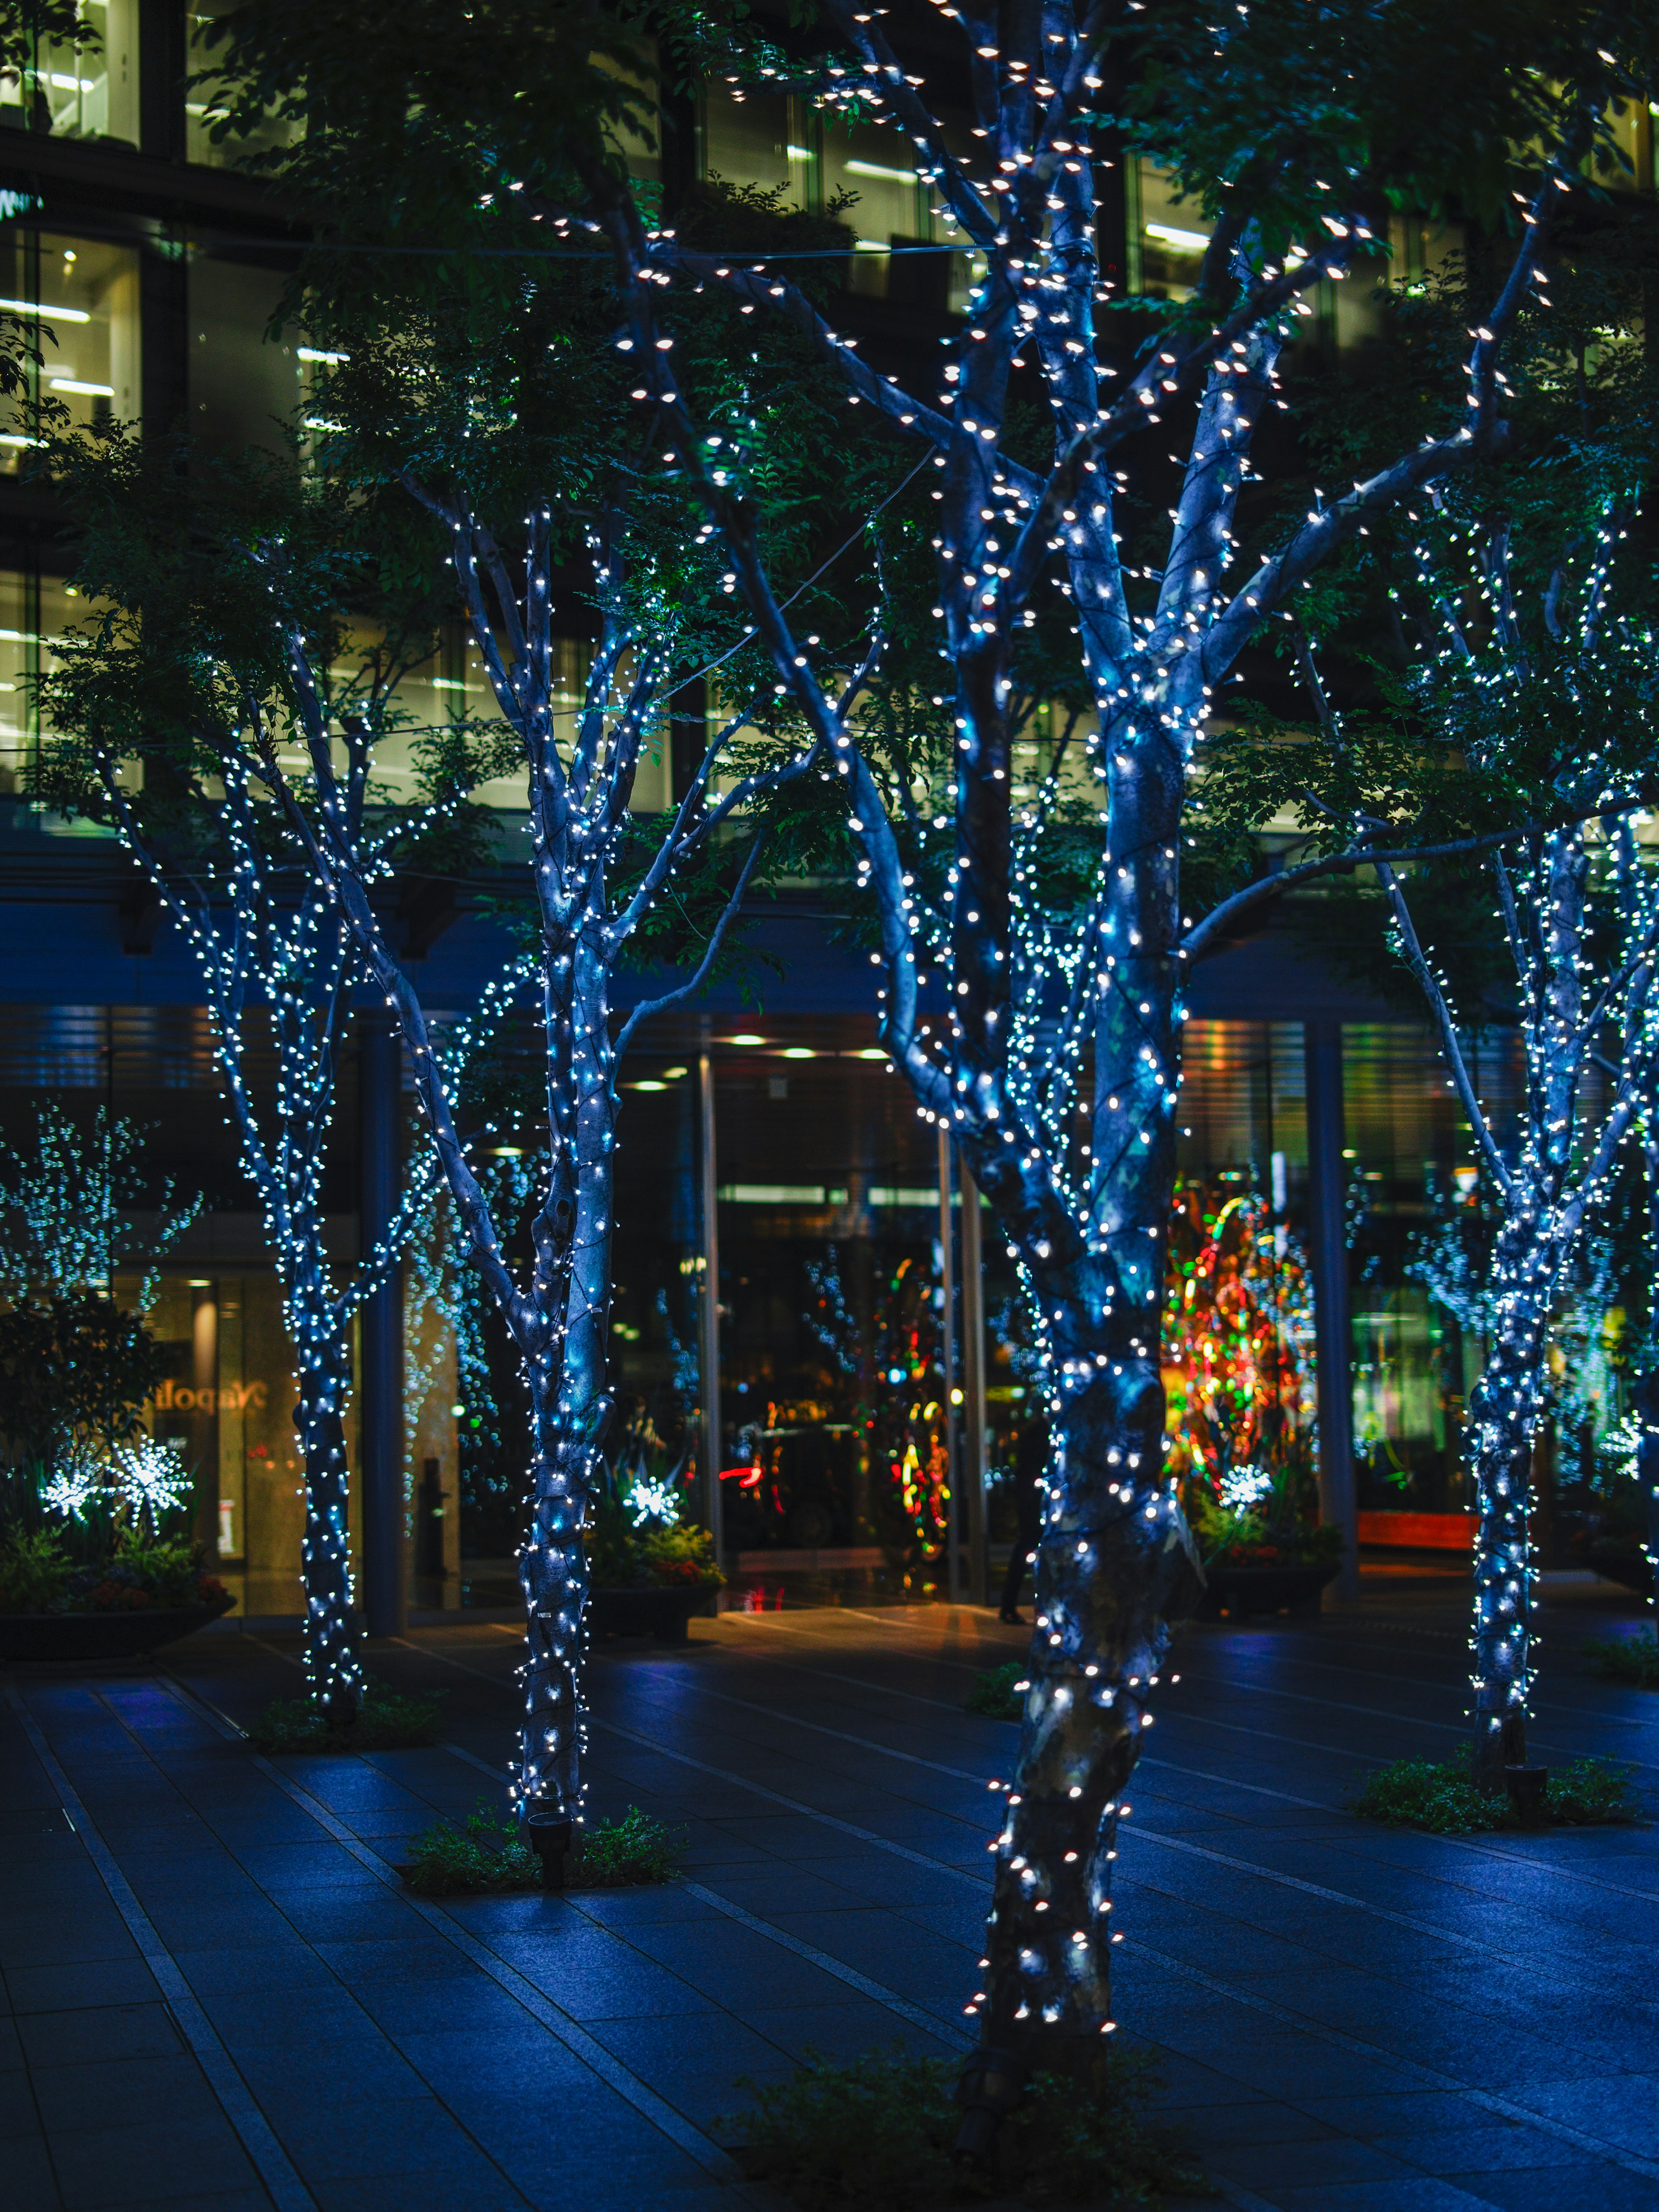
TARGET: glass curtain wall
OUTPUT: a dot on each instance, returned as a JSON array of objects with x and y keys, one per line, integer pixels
[
  {"x": 79, "y": 299},
  {"x": 89, "y": 93}
]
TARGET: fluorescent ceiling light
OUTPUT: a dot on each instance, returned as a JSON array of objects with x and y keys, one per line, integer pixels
[
  {"x": 1188, "y": 242},
  {"x": 73, "y": 83},
  {"x": 40, "y": 307},
  {"x": 799, "y": 1052},
  {"x": 311, "y": 353},
  {"x": 879, "y": 169},
  {"x": 75, "y": 384},
  {"x": 870, "y": 1052},
  {"x": 800, "y": 153},
  {"x": 871, "y": 245},
  {"x": 647, "y": 1086},
  {"x": 746, "y": 1037}
]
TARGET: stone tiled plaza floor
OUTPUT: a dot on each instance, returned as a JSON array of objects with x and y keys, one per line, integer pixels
[{"x": 219, "y": 1997}]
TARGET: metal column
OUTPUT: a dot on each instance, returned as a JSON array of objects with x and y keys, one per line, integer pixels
[
  {"x": 1322, "y": 1045},
  {"x": 709, "y": 1312},
  {"x": 948, "y": 1363},
  {"x": 973, "y": 1388},
  {"x": 380, "y": 1397}
]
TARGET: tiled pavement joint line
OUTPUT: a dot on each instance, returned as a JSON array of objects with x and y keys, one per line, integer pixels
[
  {"x": 1304, "y": 2024},
  {"x": 1485, "y": 1849},
  {"x": 918, "y": 2016},
  {"x": 741, "y": 1782},
  {"x": 1377, "y": 1713},
  {"x": 558, "y": 2022},
  {"x": 1137, "y": 1835},
  {"x": 961, "y": 1774},
  {"x": 1506, "y": 2108},
  {"x": 271, "y": 2161}
]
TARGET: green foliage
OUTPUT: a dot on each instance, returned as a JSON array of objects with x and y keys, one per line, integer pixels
[
  {"x": 1440, "y": 1796},
  {"x": 39, "y": 1573},
  {"x": 630, "y": 1852},
  {"x": 1277, "y": 1529},
  {"x": 1626, "y": 1658},
  {"x": 998, "y": 1691},
  {"x": 622, "y": 1557},
  {"x": 875, "y": 2133},
  {"x": 487, "y": 1852},
  {"x": 385, "y": 1721},
  {"x": 34, "y": 1570}
]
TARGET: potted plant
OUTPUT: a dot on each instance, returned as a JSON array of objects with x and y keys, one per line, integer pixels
[
  {"x": 86, "y": 1571},
  {"x": 1238, "y": 1340},
  {"x": 131, "y": 1598},
  {"x": 1262, "y": 1546},
  {"x": 647, "y": 1573}
]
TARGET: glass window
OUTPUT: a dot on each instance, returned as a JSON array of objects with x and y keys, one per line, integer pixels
[
  {"x": 34, "y": 610},
  {"x": 89, "y": 94},
  {"x": 768, "y": 140},
  {"x": 81, "y": 298},
  {"x": 1167, "y": 237},
  {"x": 204, "y": 108},
  {"x": 244, "y": 385}
]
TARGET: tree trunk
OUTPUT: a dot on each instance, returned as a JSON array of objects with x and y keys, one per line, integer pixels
[
  {"x": 1503, "y": 1409},
  {"x": 570, "y": 1406},
  {"x": 1115, "y": 1565},
  {"x": 334, "y": 1674}
]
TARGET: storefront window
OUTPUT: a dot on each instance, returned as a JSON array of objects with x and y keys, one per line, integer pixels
[
  {"x": 79, "y": 297},
  {"x": 89, "y": 93}
]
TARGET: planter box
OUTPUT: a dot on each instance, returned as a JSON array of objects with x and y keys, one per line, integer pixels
[
  {"x": 1420, "y": 1532},
  {"x": 663, "y": 1614},
  {"x": 1242, "y": 1591},
  {"x": 101, "y": 1635}
]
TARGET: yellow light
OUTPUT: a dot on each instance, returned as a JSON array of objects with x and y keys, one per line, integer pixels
[{"x": 748, "y": 1036}]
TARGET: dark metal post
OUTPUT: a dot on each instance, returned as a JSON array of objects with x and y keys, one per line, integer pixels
[
  {"x": 379, "y": 1399},
  {"x": 1328, "y": 1240},
  {"x": 709, "y": 1344},
  {"x": 948, "y": 1364},
  {"x": 973, "y": 1388}
]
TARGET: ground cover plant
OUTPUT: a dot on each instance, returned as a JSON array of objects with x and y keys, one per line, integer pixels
[
  {"x": 1626, "y": 1658},
  {"x": 383, "y": 1721},
  {"x": 41, "y": 1572},
  {"x": 487, "y": 1852},
  {"x": 1441, "y": 1795},
  {"x": 999, "y": 1692},
  {"x": 877, "y": 2133}
]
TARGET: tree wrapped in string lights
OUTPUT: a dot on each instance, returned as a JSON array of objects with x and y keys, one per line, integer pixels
[
  {"x": 1576, "y": 682},
  {"x": 1051, "y": 1053},
  {"x": 1054, "y": 1057},
  {"x": 172, "y": 678}
]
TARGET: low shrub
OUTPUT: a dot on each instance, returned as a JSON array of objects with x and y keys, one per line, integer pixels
[
  {"x": 385, "y": 1721},
  {"x": 1626, "y": 1659},
  {"x": 878, "y": 2134},
  {"x": 487, "y": 1852},
  {"x": 38, "y": 1574},
  {"x": 1442, "y": 1797},
  {"x": 623, "y": 1854},
  {"x": 999, "y": 1692}
]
